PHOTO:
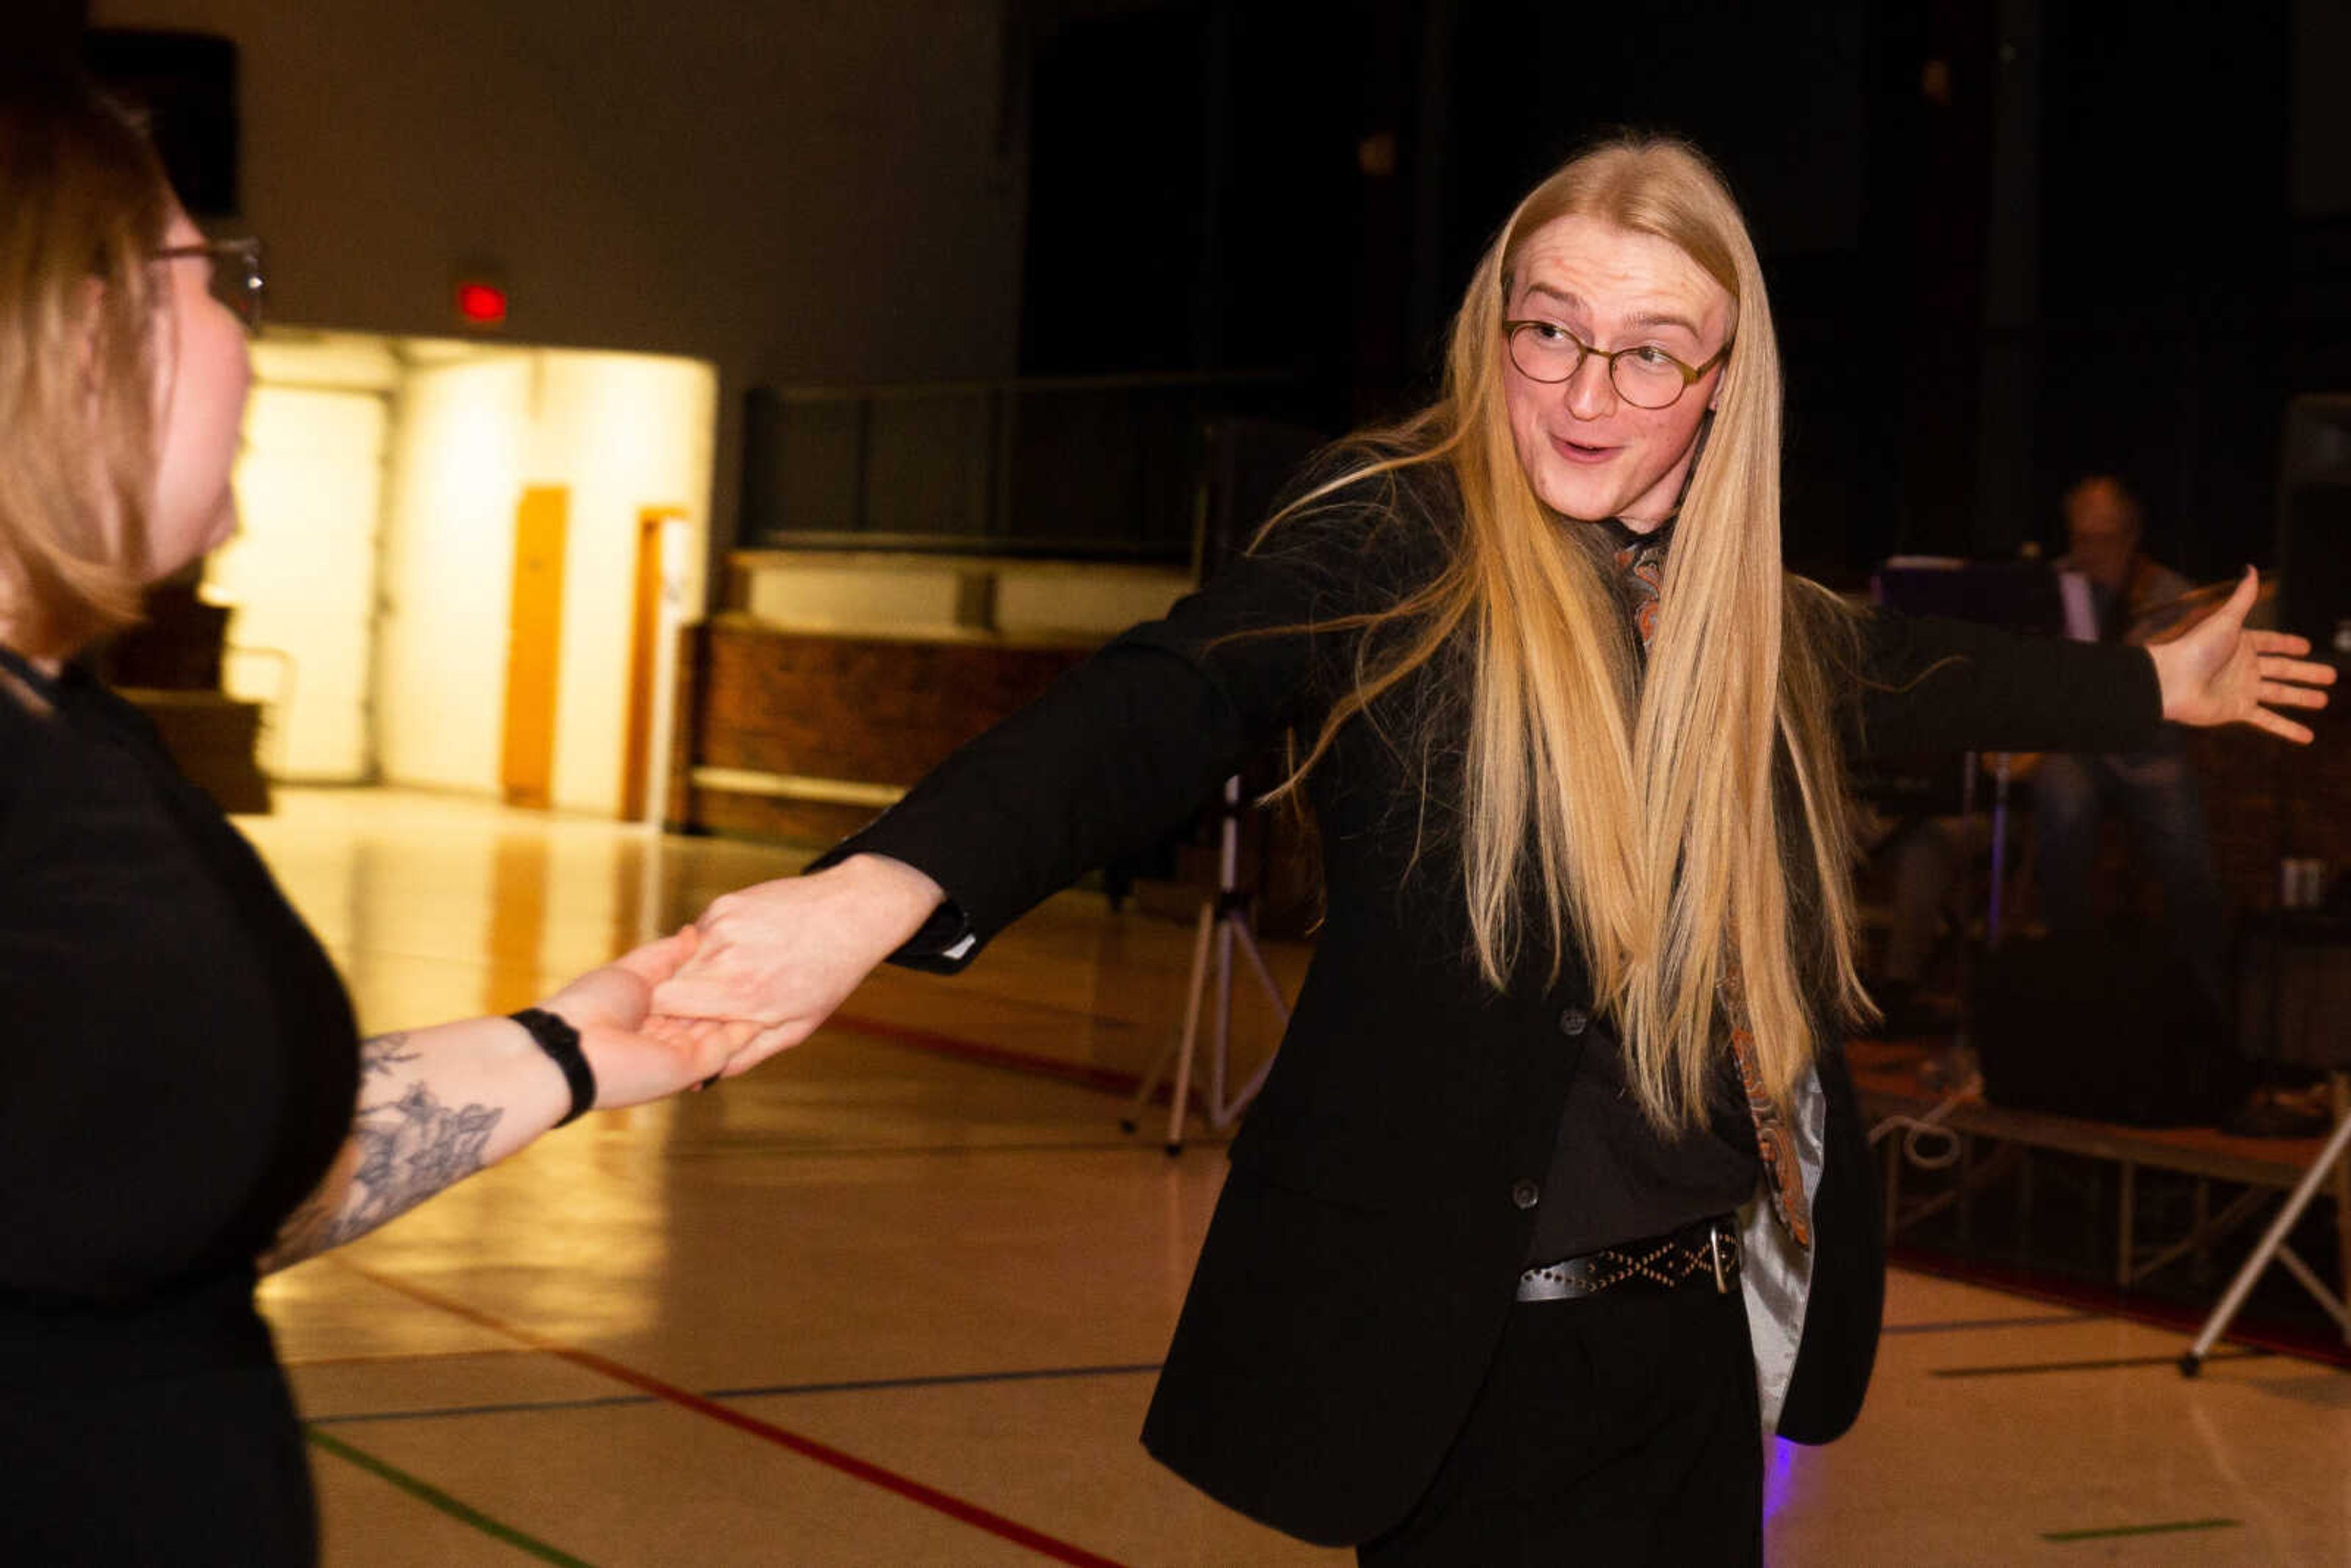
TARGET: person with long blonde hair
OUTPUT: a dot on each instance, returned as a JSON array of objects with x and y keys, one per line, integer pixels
[{"x": 1555, "y": 1198}]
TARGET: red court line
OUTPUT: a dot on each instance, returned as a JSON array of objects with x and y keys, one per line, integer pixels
[
  {"x": 824, "y": 1454},
  {"x": 1109, "y": 1079}
]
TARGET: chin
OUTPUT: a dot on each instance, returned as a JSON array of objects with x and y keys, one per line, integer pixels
[{"x": 1582, "y": 502}]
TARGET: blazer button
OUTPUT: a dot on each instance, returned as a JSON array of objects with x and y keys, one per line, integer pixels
[
  {"x": 1525, "y": 1194},
  {"x": 1574, "y": 1020}
]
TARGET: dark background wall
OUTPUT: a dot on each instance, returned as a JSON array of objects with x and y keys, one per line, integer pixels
[
  {"x": 2009, "y": 241},
  {"x": 808, "y": 191}
]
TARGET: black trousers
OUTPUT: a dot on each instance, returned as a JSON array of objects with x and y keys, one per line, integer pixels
[{"x": 1620, "y": 1430}]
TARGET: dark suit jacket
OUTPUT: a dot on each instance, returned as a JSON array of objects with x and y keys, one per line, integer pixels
[{"x": 1363, "y": 1254}]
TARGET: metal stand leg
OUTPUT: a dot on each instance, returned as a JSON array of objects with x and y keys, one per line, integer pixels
[
  {"x": 1180, "y": 1091},
  {"x": 1223, "y": 926},
  {"x": 2274, "y": 1248}
]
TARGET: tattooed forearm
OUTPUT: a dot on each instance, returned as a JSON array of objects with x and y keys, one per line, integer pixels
[
  {"x": 400, "y": 1153},
  {"x": 384, "y": 1054}
]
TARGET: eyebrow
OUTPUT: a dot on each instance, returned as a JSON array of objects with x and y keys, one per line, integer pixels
[{"x": 1642, "y": 319}]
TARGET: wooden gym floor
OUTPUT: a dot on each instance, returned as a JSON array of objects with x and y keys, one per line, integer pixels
[{"x": 885, "y": 1301}]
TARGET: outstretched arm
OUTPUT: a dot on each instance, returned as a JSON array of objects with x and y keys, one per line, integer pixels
[
  {"x": 2219, "y": 673},
  {"x": 1933, "y": 684},
  {"x": 437, "y": 1104},
  {"x": 1121, "y": 748}
]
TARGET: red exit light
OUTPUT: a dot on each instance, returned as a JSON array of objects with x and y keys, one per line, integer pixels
[{"x": 481, "y": 304}]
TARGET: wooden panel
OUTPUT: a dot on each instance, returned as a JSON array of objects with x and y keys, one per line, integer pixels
[
  {"x": 868, "y": 710},
  {"x": 534, "y": 645},
  {"x": 871, "y": 710},
  {"x": 857, "y": 709}
]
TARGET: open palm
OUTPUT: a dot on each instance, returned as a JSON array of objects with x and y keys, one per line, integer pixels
[{"x": 2219, "y": 672}]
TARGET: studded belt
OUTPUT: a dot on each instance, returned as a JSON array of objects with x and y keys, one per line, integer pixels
[{"x": 1703, "y": 1253}]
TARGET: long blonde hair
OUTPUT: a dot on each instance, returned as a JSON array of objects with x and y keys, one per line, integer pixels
[
  {"x": 83, "y": 205},
  {"x": 1688, "y": 828}
]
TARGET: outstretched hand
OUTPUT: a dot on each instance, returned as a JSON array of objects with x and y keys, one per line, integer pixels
[
  {"x": 775, "y": 960},
  {"x": 610, "y": 1006},
  {"x": 2219, "y": 673}
]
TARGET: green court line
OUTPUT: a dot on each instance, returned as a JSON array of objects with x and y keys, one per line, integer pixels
[
  {"x": 2112, "y": 1531},
  {"x": 425, "y": 1492}
]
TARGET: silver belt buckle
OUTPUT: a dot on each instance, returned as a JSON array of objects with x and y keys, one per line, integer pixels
[{"x": 1714, "y": 1256}]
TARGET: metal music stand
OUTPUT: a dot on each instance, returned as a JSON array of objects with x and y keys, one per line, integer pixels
[
  {"x": 1245, "y": 464},
  {"x": 2305, "y": 930},
  {"x": 1223, "y": 926},
  {"x": 2272, "y": 1247}
]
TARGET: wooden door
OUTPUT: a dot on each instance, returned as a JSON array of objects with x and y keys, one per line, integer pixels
[
  {"x": 534, "y": 645},
  {"x": 644, "y": 630}
]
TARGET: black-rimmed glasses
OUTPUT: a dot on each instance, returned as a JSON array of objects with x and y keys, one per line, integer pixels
[
  {"x": 1644, "y": 375},
  {"x": 236, "y": 274}
]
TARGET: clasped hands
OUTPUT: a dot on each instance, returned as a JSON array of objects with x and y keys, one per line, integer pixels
[{"x": 756, "y": 973}]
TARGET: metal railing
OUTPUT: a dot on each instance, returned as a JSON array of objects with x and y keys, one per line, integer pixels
[{"x": 1096, "y": 467}]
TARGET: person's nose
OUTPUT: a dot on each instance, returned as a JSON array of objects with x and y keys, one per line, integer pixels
[{"x": 1589, "y": 393}]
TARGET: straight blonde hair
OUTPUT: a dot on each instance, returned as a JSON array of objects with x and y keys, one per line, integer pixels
[
  {"x": 1686, "y": 829},
  {"x": 83, "y": 205}
]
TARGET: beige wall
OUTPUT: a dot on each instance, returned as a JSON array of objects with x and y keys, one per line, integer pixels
[
  {"x": 301, "y": 573},
  {"x": 626, "y": 432},
  {"x": 623, "y": 432},
  {"x": 804, "y": 189},
  {"x": 461, "y": 436}
]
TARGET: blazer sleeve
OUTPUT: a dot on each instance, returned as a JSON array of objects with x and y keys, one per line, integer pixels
[
  {"x": 1126, "y": 745},
  {"x": 1931, "y": 684}
]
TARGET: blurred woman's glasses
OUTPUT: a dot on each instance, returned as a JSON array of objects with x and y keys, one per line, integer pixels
[{"x": 235, "y": 274}]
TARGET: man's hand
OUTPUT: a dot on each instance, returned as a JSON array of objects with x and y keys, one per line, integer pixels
[
  {"x": 2219, "y": 673},
  {"x": 775, "y": 959}
]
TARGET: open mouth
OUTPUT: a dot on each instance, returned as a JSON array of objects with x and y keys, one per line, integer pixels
[{"x": 1581, "y": 451}]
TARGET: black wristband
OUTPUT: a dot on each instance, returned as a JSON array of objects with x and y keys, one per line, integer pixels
[{"x": 561, "y": 1041}]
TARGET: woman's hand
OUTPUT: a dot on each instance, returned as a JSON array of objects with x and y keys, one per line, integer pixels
[
  {"x": 775, "y": 959},
  {"x": 2219, "y": 673},
  {"x": 609, "y": 1006}
]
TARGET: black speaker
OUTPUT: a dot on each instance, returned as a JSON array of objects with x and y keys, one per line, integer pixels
[
  {"x": 2106, "y": 1025},
  {"x": 2315, "y": 523},
  {"x": 185, "y": 83}
]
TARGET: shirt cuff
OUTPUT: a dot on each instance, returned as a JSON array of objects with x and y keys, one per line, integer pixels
[{"x": 945, "y": 942}]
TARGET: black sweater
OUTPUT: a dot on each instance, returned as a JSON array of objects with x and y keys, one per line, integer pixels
[{"x": 182, "y": 1063}]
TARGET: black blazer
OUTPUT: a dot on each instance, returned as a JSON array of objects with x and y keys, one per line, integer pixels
[{"x": 1365, "y": 1253}]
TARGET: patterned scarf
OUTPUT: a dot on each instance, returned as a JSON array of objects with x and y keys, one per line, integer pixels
[{"x": 1641, "y": 577}]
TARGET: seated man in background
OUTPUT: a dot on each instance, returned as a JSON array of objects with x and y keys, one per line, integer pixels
[{"x": 2136, "y": 601}]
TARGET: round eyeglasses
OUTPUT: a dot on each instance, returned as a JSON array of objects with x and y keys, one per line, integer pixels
[
  {"x": 1644, "y": 375},
  {"x": 235, "y": 275}
]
